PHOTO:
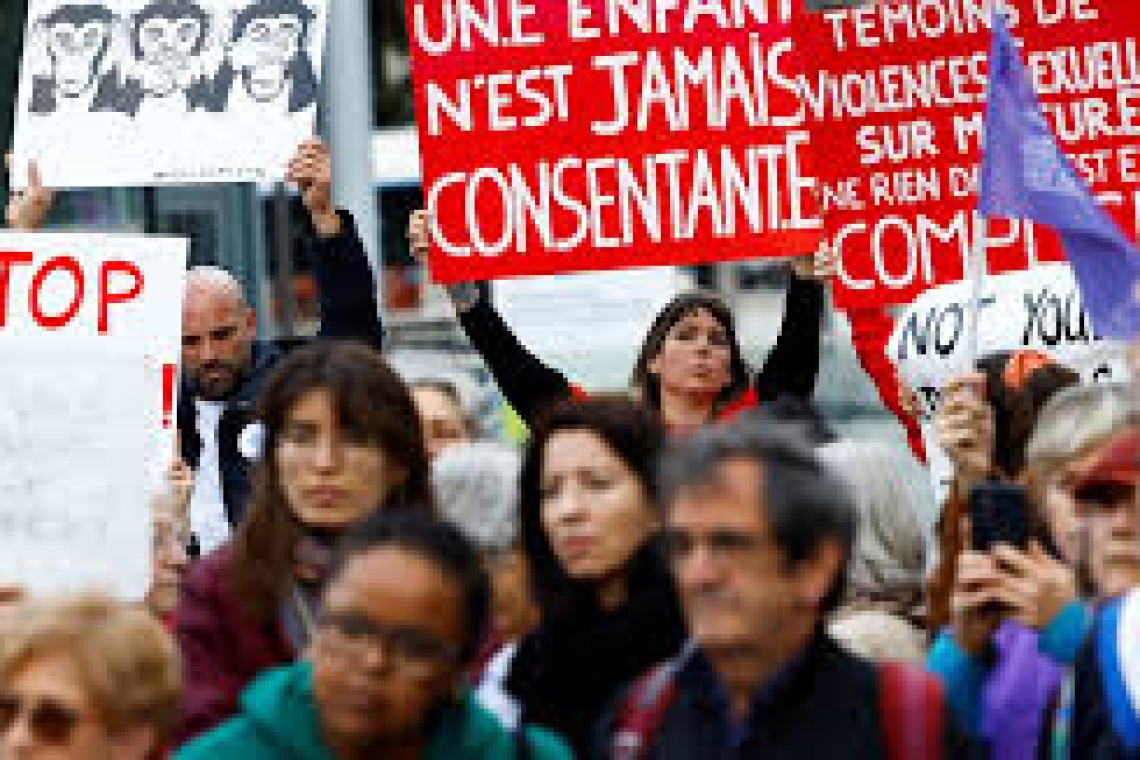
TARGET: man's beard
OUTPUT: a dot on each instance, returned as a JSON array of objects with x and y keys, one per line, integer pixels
[{"x": 229, "y": 379}]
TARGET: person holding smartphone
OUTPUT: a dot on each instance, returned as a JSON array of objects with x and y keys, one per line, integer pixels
[
  {"x": 1017, "y": 623},
  {"x": 1018, "y": 616},
  {"x": 984, "y": 423}
]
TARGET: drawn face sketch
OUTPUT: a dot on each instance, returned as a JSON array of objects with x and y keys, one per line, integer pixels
[
  {"x": 263, "y": 54},
  {"x": 268, "y": 39},
  {"x": 168, "y": 36},
  {"x": 78, "y": 37}
]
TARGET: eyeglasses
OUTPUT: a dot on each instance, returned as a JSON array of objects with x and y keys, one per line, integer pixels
[
  {"x": 415, "y": 653},
  {"x": 49, "y": 721},
  {"x": 725, "y": 545}
]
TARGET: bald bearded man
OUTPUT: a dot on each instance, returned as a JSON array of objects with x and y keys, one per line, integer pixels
[{"x": 223, "y": 365}]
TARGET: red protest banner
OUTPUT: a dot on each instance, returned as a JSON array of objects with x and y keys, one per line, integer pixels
[
  {"x": 571, "y": 135},
  {"x": 895, "y": 99}
]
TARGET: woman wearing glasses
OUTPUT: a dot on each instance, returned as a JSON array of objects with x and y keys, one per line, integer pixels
[
  {"x": 607, "y": 606},
  {"x": 86, "y": 678},
  {"x": 385, "y": 677},
  {"x": 341, "y": 439}
]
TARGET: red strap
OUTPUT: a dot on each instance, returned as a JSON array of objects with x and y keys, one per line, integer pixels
[
  {"x": 912, "y": 708},
  {"x": 643, "y": 713},
  {"x": 870, "y": 332}
]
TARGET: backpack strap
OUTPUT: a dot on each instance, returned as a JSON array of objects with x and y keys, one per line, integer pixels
[
  {"x": 912, "y": 708},
  {"x": 643, "y": 712}
]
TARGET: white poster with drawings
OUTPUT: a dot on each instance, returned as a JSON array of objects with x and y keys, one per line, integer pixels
[
  {"x": 90, "y": 333},
  {"x": 1039, "y": 309},
  {"x": 149, "y": 92}
]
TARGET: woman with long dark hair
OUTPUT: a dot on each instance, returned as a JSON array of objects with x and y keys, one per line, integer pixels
[
  {"x": 589, "y": 524},
  {"x": 690, "y": 369},
  {"x": 341, "y": 439}
]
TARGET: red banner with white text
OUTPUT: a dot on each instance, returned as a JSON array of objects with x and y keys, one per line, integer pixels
[
  {"x": 895, "y": 98},
  {"x": 572, "y": 135}
]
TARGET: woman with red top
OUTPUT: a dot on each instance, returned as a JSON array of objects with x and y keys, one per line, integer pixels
[{"x": 691, "y": 368}]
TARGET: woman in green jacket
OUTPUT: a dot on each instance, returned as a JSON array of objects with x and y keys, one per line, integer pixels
[{"x": 402, "y": 620}]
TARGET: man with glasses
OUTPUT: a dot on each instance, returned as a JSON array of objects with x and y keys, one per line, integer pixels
[
  {"x": 385, "y": 675},
  {"x": 759, "y": 534}
]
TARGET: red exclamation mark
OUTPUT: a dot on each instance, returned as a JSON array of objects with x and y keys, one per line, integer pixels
[{"x": 169, "y": 377}]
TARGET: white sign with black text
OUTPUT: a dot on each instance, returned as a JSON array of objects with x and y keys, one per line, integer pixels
[{"x": 1039, "y": 309}]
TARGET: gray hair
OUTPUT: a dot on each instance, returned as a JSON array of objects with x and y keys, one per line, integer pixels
[
  {"x": 890, "y": 546},
  {"x": 214, "y": 280},
  {"x": 476, "y": 485},
  {"x": 1077, "y": 419},
  {"x": 803, "y": 501}
]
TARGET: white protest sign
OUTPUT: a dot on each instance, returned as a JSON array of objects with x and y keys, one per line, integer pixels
[
  {"x": 89, "y": 341},
  {"x": 1039, "y": 309},
  {"x": 148, "y": 92}
]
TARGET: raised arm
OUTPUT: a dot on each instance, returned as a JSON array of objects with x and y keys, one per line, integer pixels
[
  {"x": 793, "y": 365},
  {"x": 28, "y": 208},
  {"x": 345, "y": 280},
  {"x": 529, "y": 386}
]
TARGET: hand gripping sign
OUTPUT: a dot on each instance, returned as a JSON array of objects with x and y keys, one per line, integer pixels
[
  {"x": 572, "y": 135},
  {"x": 89, "y": 335},
  {"x": 894, "y": 97},
  {"x": 1039, "y": 309}
]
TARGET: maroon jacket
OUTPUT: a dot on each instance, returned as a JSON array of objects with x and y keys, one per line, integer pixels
[{"x": 223, "y": 648}]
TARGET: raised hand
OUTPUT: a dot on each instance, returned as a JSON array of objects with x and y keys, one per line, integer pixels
[
  {"x": 310, "y": 170},
  {"x": 29, "y": 207},
  {"x": 965, "y": 426},
  {"x": 822, "y": 265}
]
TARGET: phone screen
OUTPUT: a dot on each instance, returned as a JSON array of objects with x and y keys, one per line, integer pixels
[{"x": 999, "y": 514}]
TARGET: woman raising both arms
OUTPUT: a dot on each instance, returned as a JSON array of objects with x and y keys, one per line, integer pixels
[{"x": 690, "y": 369}]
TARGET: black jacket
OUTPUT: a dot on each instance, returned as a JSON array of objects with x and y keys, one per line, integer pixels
[
  {"x": 532, "y": 387},
  {"x": 824, "y": 706},
  {"x": 564, "y": 673},
  {"x": 348, "y": 310}
]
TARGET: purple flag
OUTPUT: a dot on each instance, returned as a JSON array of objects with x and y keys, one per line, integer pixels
[{"x": 1025, "y": 175}]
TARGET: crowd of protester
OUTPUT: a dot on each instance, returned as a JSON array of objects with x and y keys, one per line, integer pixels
[{"x": 346, "y": 566}]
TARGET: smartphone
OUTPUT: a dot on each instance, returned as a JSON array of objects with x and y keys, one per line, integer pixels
[{"x": 999, "y": 514}]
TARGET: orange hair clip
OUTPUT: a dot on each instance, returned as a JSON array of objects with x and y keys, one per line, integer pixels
[{"x": 1021, "y": 365}]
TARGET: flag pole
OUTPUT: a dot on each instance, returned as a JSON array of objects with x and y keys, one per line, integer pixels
[{"x": 978, "y": 270}]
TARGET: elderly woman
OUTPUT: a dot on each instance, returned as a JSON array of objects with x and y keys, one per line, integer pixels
[
  {"x": 86, "y": 677},
  {"x": 476, "y": 487},
  {"x": 443, "y": 414},
  {"x": 882, "y": 617}
]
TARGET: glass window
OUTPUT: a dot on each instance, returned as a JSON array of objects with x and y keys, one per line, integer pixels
[{"x": 391, "y": 65}]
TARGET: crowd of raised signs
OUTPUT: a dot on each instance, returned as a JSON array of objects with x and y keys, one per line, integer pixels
[{"x": 346, "y": 566}]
